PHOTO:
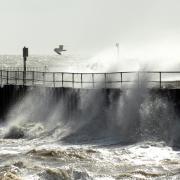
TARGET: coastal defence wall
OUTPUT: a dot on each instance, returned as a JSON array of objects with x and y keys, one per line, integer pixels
[
  {"x": 95, "y": 111},
  {"x": 10, "y": 95}
]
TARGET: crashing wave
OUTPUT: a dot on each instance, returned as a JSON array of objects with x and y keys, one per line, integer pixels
[
  {"x": 14, "y": 133},
  {"x": 59, "y": 174}
]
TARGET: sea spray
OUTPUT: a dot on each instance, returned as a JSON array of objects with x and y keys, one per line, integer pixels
[
  {"x": 157, "y": 118},
  {"x": 105, "y": 113},
  {"x": 82, "y": 115},
  {"x": 117, "y": 122},
  {"x": 30, "y": 111}
]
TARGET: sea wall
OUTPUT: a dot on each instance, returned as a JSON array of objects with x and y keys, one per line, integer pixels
[{"x": 11, "y": 94}]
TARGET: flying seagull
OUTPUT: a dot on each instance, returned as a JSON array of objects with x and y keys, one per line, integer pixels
[{"x": 59, "y": 49}]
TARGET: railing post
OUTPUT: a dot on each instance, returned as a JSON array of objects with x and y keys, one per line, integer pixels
[
  {"x": 44, "y": 78},
  {"x": 138, "y": 80},
  {"x": 73, "y": 80},
  {"x": 33, "y": 78},
  {"x": 15, "y": 77},
  {"x": 121, "y": 79},
  {"x": 105, "y": 80},
  {"x": 54, "y": 79},
  {"x": 7, "y": 78},
  {"x": 93, "y": 79},
  {"x": 81, "y": 81},
  {"x": 160, "y": 80},
  {"x": 62, "y": 79},
  {"x": 17, "y": 73},
  {"x": 1, "y": 78}
]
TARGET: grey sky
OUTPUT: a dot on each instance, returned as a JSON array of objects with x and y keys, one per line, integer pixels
[{"x": 86, "y": 25}]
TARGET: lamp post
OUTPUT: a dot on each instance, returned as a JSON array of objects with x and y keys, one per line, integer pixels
[
  {"x": 117, "y": 46},
  {"x": 25, "y": 55}
]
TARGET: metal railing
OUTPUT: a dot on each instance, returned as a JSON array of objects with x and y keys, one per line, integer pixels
[
  {"x": 28, "y": 68},
  {"x": 152, "y": 79}
]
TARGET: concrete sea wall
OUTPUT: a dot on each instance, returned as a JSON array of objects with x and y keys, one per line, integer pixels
[{"x": 11, "y": 94}]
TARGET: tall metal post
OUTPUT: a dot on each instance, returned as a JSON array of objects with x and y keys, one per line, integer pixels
[
  {"x": 24, "y": 71},
  {"x": 25, "y": 55},
  {"x": 117, "y": 46}
]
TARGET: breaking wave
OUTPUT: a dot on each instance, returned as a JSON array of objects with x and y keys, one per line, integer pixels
[
  {"x": 82, "y": 116},
  {"x": 91, "y": 134}
]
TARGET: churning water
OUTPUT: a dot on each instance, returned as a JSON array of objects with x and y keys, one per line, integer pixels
[{"x": 127, "y": 136}]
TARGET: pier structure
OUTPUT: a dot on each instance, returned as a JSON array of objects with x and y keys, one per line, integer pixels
[
  {"x": 68, "y": 88},
  {"x": 109, "y": 80}
]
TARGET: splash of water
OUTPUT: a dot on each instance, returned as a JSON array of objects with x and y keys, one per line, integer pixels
[
  {"x": 159, "y": 56},
  {"x": 84, "y": 116}
]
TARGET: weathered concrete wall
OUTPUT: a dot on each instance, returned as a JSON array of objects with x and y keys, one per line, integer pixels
[
  {"x": 11, "y": 94},
  {"x": 8, "y": 96},
  {"x": 172, "y": 95},
  {"x": 101, "y": 107}
]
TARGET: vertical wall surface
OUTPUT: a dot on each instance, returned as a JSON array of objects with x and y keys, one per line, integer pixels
[{"x": 70, "y": 98}]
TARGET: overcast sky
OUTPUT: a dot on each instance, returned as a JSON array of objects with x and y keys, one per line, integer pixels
[{"x": 86, "y": 25}]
